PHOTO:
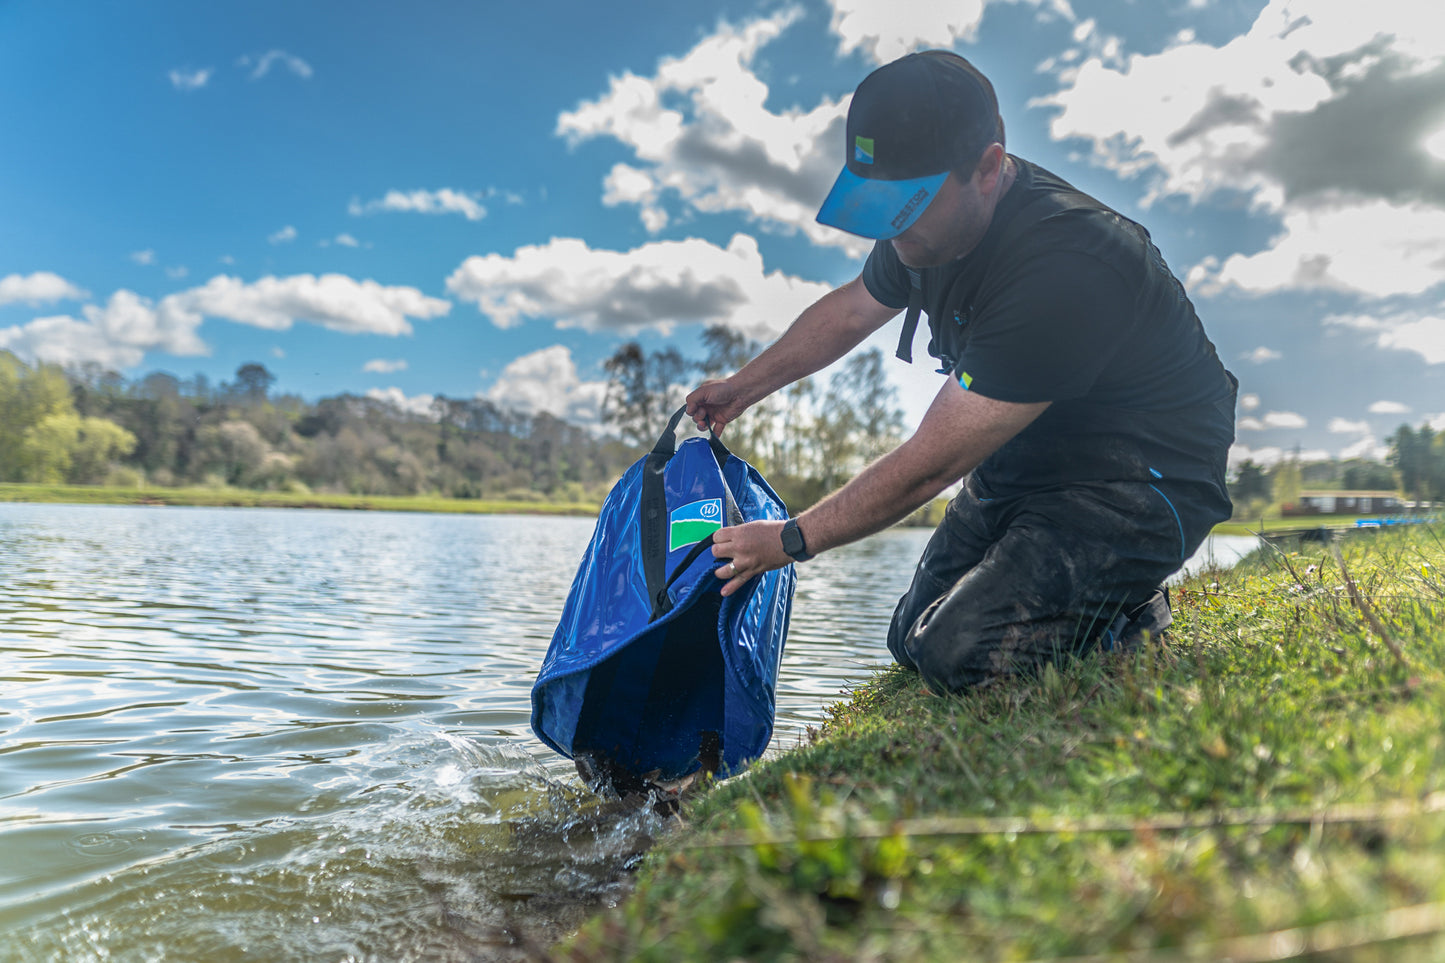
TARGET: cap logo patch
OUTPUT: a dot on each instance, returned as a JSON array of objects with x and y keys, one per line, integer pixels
[{"x": 863, "y": 150}]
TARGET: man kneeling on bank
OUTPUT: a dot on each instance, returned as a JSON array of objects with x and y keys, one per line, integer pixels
[{"x": 1083, "y": 407}]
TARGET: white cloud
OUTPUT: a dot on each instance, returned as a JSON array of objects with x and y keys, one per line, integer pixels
[
  {"x": 1261, "y": 354},
  {"x": 1317, "y": 115},
  {"x": 177, "y": 272},
  {"x": 1418, "y": 332},
  {"x": 657, "y": 285},
  {"x": 1248, "y": 402},
  {"x": 143, "y": 257},
  {"x": 1271, "y": 455},
  {"x": 262, "y": 65},
  {"x": 444, "y": 201},
  {"x": 1273, "y": 419},
  {"x": 41, "y": 287},
  {"x": 1367, "y": 447},
  {"x": 187, "y": 80},
  {"x": 116, "y": 335},
  {"x": 420, "y": 405},
  {"x": 547, "y": 380},
  {"x": 286, "y": 235},
  {"x": 1376, "y": 248},
  {"x": 385, "y": 365},
  {"x": 1384, "y": 407},
  {"x": 1343, "y": 426},
  {"x": 120, "y": 333},
  {"x": 887, "y": 31},
  {"x": 1284, "y": 419},
  {"x": 702, "y": 133},
  {"x": 334, "y": 301},
  {"x": 346, "y": 240}
]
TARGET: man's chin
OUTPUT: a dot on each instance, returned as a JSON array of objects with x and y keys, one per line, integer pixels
[{"x": 915, "y": 255}]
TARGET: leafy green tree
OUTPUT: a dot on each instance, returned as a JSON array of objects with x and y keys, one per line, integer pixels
[
  {"x": 66, "y": 447},
  {"x": 253, "y": 382},
  {"x": 233, "y": 451},
  {"x": 643, "y": 390},
  {"x": 1285, "y": 480},
  {"x": 1251, "y": 483},
  {"x": 1362, "y": 475},
  {"x": 27, "y": 397},
  {"x": 1419, "y": 456}
]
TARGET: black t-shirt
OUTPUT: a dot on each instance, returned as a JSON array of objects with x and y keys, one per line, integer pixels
[{"x": 1079, "y": 309}]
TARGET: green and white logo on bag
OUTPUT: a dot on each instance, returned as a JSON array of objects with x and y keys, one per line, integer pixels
[{"x": 693, "y": 522}]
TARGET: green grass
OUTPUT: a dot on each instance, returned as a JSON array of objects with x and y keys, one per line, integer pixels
[
  {"x": 1267, "y": 782},
  {"x": 242, "y": 497},
  {"x": 1275, "y": 524}
]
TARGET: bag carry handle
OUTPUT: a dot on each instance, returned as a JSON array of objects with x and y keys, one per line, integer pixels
[{"x": 654, "y": 512}]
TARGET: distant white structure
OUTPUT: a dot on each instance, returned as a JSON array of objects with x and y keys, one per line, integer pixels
[{"x": 1343, "y": 503}]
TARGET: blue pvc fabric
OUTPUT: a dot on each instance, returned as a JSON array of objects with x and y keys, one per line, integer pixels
[{"x": 649, "y": 663}]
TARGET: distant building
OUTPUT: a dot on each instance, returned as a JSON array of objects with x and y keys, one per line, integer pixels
[{"x": 1343, "y": 503}]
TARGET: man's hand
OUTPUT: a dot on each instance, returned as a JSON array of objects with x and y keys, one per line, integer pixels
[
  {"x": 714, "y": 404},
  {"x": 754, "y": 548}
]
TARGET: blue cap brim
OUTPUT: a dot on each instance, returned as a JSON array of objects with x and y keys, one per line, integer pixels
[{"x": 877, "y": 209}]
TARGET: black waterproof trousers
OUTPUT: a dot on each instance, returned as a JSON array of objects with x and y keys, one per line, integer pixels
[{"x": 1007, "y": 584}]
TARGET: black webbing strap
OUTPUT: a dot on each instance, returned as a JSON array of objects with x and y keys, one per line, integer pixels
[
  {"x": 661, "y": 604},
  {"x": 910, "y": 317},
  {"x": 654, "y": 518},
  {"x": 654, "y": 507},
  {"x": 1039, "y": 208}
]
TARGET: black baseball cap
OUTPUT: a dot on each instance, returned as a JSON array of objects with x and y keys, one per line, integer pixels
[{"x": 910, "y": 123}]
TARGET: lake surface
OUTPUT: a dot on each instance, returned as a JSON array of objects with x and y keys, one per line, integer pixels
[{"x": 247, "y": 734}]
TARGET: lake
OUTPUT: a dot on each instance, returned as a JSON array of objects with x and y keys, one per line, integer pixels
[{"x": 251, "y": 734}]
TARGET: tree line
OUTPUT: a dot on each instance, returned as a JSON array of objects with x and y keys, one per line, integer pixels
[
  {"x": 1414, "y": 467},
  {"x": 92, "y": 426},
  {"x": 89, "y": 425}
]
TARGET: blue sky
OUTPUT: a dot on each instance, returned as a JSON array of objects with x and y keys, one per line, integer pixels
[{"x": 487, "y": 199}]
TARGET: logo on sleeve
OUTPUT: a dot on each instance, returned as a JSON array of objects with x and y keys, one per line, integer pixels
[
  {"x": 965, "y": 379},
  {"x": 863, "y": 150},
  {"x": 693, "y": 522}
]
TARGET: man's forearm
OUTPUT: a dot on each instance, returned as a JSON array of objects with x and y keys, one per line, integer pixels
[
  {"x": 959, "y": 431},
  {"x": 883, "y": 494},
  {"x": 825, "y": 331}
]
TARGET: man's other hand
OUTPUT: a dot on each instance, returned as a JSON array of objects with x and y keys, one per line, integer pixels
[
  {"x": 714, "y": 403},
  {"x": 754, "y": 548}
]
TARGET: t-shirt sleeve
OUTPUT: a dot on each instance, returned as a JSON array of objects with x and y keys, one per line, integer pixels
[
  {"x": 885, "y": 277},
  {"x": 1046, "y": 329}
]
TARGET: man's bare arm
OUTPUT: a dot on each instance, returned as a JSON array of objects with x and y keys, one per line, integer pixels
[
  {"x": 825, "y": 331},
  {"x": 959, "y": 431}
]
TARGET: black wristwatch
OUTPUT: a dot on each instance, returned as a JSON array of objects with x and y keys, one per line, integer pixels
[{"x": 793, "y": 542}]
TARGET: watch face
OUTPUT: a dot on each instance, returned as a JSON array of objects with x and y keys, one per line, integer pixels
[{"x": 793, "y": 541}]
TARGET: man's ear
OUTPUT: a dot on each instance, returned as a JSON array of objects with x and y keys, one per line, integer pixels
[{"x": 990, "y": 167}]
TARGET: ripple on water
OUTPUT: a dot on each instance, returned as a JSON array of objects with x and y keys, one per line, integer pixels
[{"x": 304, "y": 735}]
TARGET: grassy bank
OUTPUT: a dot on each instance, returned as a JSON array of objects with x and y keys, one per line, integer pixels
[
  {"x": 247, "y": 498},
  {"x": 1267, "y": 783}
]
